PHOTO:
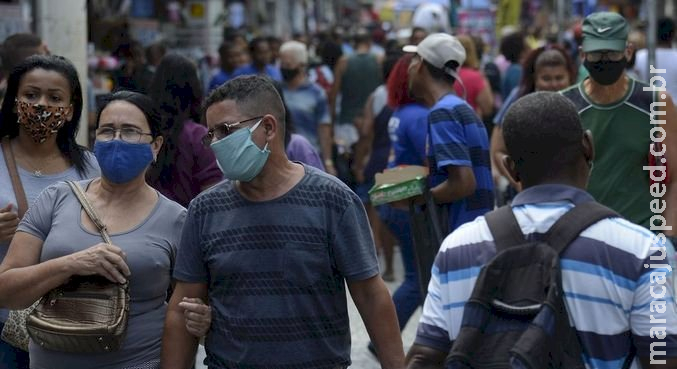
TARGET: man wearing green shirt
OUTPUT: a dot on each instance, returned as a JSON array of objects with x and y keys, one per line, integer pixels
[{"x": 625, "y": 116}]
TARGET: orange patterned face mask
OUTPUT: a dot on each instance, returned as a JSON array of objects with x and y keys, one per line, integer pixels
[{"x": 41, "y": 121}]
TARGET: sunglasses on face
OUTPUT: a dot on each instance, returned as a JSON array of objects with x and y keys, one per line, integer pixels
[
  {"x": 222, "y": 130},
  {"x": 596, "y": 56}
]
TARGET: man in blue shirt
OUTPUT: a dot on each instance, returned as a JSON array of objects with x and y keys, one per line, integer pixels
[
  {"x": 230, "y": 55},
  {"x": 617, "y": 285},
  {"x": 458, "y": 144},
  {"x": 306, "y": 101},
  {"x": 261, "y": 55}
]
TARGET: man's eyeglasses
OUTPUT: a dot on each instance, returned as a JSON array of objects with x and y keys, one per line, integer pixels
[
  {"x": 127, "y": 134},
  {"x": 596, "y": 56},
  {"x": 222, "y": 130}
]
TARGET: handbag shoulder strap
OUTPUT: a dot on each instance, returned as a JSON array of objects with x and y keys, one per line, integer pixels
[
  {"x": 77, "y": 190},
  {"x": 19, "y": 193}
]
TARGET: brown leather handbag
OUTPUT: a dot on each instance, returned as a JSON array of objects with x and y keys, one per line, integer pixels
[{"x": 88, "y": 314}]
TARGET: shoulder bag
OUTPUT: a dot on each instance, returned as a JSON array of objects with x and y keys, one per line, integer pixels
[
  {"x": 88, "y": 314},
  {"x": 14, "y": 330}
]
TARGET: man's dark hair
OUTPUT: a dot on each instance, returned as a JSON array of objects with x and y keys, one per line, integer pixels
[
  {"x": 274, "y": 40},
  {"x": 543, "y": 135},
  {"x": 512, "y": 46},
  {"x": 255, "y": 95},
  {"x": 665, "y": 31},
  {"x": 254, "y": 43},
  {"x": 439, "y": 74},
  {"x": 362, "y": 37},
  {"x": 16, "y": 48}
]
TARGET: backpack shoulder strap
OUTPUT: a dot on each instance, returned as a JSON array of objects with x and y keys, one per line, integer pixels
[
  {"x": 504, "y": 228},
  {"x": 575, "y": 221}
]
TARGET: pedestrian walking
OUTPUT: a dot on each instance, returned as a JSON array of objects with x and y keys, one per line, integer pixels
[
  {"x": 548, "y": 68},
  {"x": 458, "y": 145},
  {"x": 611, "y": 298},
  {"x": 39, "y": 123},
  {"x": 272, "y": 250},
  {"x": 619, "y": 112},
  {"x": 55, "y": 241},
  {"x": 184, "y": 167},
  {"x": 306, "y": 101},
  {"x": 262, "y": 58}
]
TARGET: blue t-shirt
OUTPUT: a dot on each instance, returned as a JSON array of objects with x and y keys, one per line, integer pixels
[
  {"x": 408, "y": 128},
  {"x": 457, "y": 136},
  {"x": 498, "y": 119},
  {"x": 308, "y": 107},
  {"x": 276, "y": 272},
  {"x": 219, "y": 78},
  {"x": 511, "y": 79},
  {"x": 270, "y": 70}
]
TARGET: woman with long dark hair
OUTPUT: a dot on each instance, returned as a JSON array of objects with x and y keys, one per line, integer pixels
[
  {"x": 38, "y": 125},
  {"x": 184, "y": 167}
]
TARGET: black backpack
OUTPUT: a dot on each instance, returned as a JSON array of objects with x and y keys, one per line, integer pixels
[{"x": 516, "y": 317}]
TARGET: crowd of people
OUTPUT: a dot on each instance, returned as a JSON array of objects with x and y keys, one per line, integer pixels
[{"x": 239, "y": 210}]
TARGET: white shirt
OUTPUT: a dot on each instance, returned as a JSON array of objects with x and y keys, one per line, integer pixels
[{"x": 665, "y": 59}]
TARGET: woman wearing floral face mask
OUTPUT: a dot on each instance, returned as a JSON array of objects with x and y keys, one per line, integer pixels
[
  {"x": 56, "y": 240},
  {"x": 38, "y": 124}
]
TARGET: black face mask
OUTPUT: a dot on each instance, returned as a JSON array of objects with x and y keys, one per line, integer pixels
[
  {"x": 606, "y": 72},
  {"x": 288, "y": 74}
]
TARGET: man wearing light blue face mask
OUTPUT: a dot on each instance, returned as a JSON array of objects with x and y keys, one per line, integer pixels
[{"x": 272, "y": 248}]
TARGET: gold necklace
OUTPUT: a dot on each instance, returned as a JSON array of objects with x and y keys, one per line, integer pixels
[{"x": 37, "y": 171}]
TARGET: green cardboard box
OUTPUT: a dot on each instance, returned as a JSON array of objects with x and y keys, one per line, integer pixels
[{"x": 398, "y": 184}]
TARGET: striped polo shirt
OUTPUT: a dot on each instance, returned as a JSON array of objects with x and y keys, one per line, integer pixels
[
  {"x": 607, "y": 288},
  {"x": 457, "y": 137}
]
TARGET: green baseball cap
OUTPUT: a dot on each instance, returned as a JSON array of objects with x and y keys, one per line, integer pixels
[{"x": 605, "y": 31}]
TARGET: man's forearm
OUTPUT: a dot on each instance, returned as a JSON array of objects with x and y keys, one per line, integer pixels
[
  {"x": 446, "y": 192},
  {"x": 378, "y": 313},
  {"x": 178, "y": 346}
]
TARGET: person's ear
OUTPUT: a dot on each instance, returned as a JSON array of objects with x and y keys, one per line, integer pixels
[
  {"x": 509, "y": 164},
  {"x": 270, "y": 127},
  {"x": 156, "y": 145},
  {"x": 588, "y": 147},
  {"x": 629, "y": 50}
]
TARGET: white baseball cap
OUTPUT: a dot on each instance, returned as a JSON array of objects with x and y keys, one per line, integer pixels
[{"x": 438, "y": 49}]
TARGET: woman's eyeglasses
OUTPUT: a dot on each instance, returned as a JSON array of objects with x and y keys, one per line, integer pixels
[
  {"x": 127, "y": 134},
  {"x": 222, "y": 130}
]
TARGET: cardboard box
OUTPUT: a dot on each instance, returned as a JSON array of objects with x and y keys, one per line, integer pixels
[{"x": 398, "y": 184}]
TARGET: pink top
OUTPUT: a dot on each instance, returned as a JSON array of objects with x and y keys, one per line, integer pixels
[{"x": 473, "y": 81}]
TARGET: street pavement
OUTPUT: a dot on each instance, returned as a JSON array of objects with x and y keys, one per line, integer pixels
[{"x": 362, "y": 358}]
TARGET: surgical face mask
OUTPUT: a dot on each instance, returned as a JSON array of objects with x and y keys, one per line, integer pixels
[
  {"x": 605, "y": 72},
  {"x": 122, "y": 161},
  {"x": 238, "y": 156},
  {"x": 41, "y": 121}
]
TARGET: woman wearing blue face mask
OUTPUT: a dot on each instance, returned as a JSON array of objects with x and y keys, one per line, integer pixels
[{"x": 57, "y": 240}]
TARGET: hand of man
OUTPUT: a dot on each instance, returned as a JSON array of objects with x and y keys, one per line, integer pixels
[{"x": 198, "y": 316}]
